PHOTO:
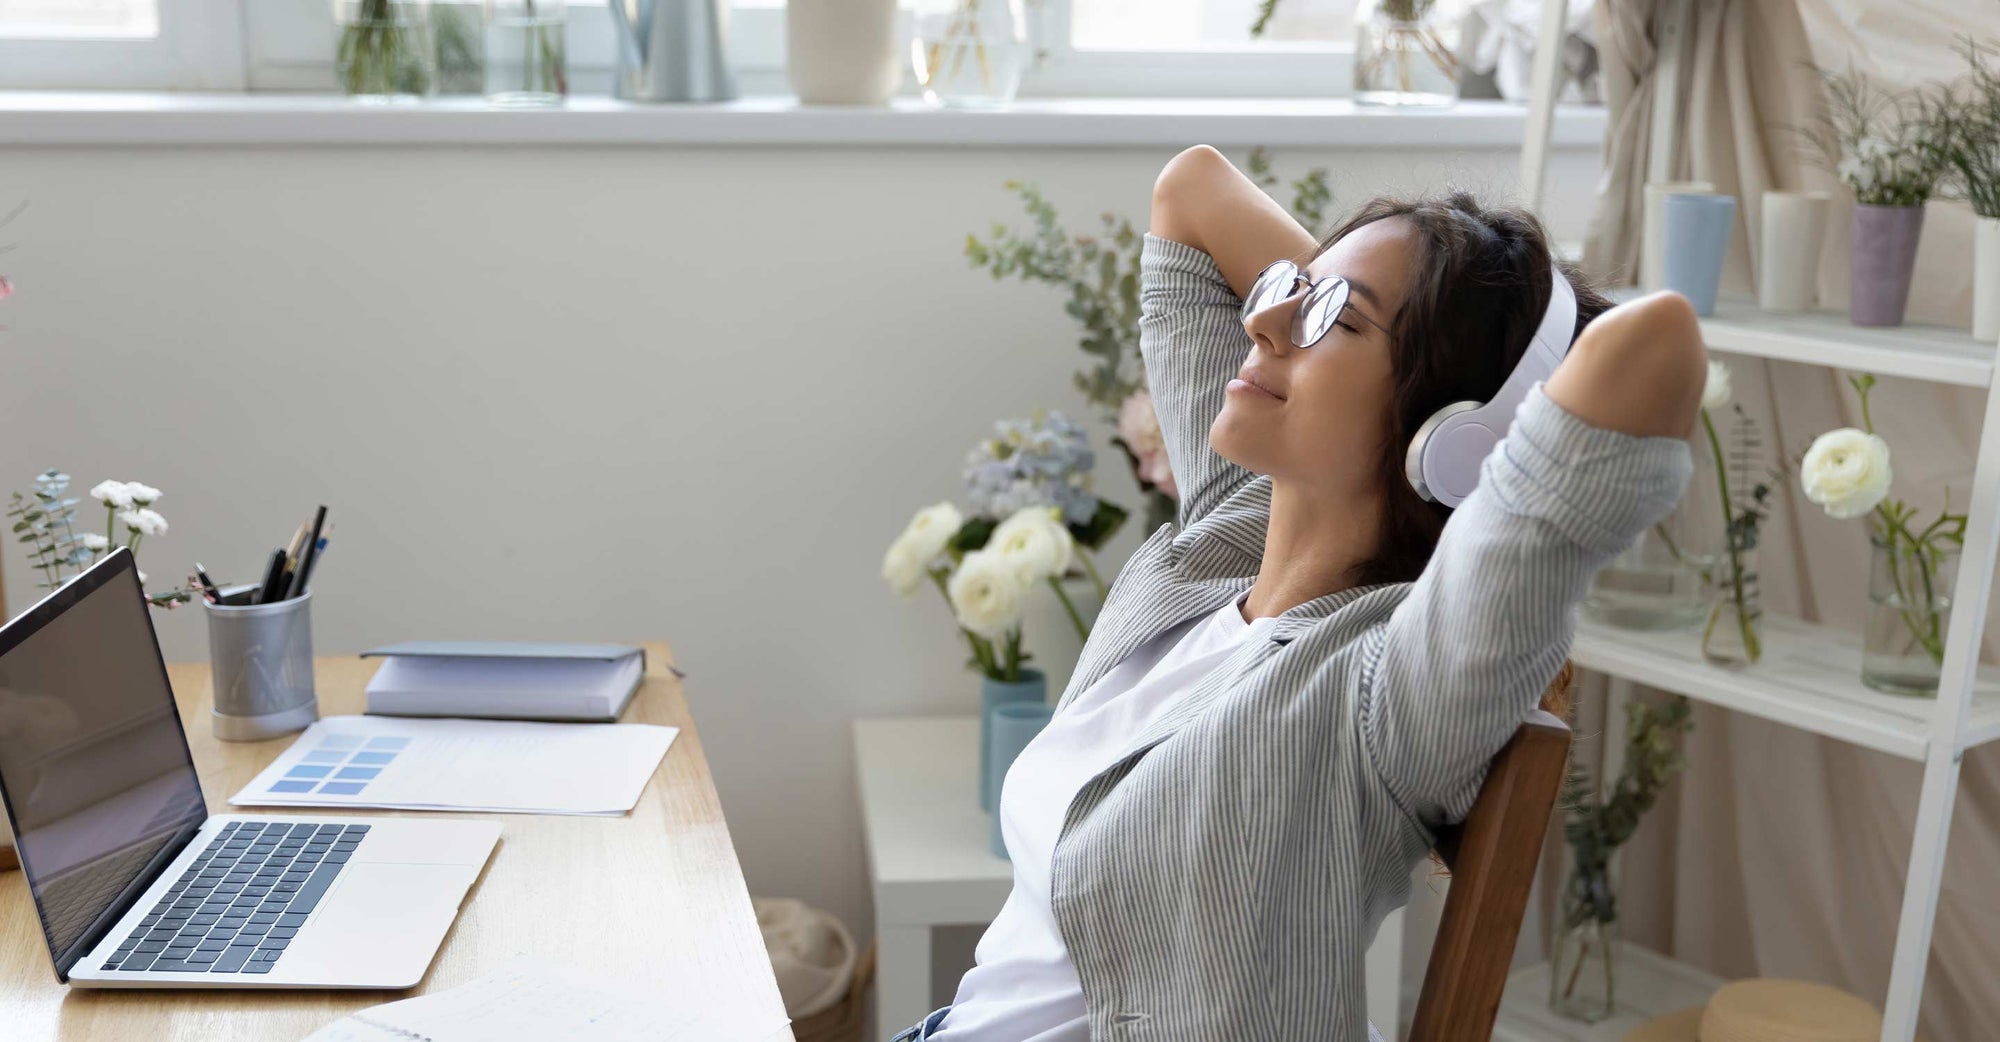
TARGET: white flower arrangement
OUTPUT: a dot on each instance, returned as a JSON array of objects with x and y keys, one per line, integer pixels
[
  {"x": 46, "y": 520},
  {"x": 1847, "y": 472}
]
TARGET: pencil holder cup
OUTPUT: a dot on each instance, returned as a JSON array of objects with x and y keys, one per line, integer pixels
[
  {"x": 1697, "y": 242},
  {"x": 1014, "y": 725},
  {"x": 262, "y": 659}
]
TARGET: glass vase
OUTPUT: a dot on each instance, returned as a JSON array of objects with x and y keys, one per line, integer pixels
[
  {"x": 969, "y": 53},
  {"x": 1909, "y": 607},
  {"x": 526, "y": 66},
  {"x": 1733, "y": 636},
  {"x": 1583, "y": 976},
  {"x": 1404, "y": 54},
  {"x": 385, "y": 51}
]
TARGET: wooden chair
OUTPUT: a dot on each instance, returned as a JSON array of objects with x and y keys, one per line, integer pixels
[{"x": 1493, "y": 857}]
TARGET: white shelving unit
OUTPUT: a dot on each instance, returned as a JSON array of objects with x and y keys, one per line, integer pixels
[{"x": 1810, "y": 675}]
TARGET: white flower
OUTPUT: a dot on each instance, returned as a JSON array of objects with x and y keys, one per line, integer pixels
[
  {"x": 1846, "y": 471},
  {"x": 1715, "y": 393},
  {"x": 986, "y": 593},
  {"x": 93, "y": 542},
  {"x": 144, "y": 521},
  {"x": 1872, "y": 147},
  {"x": 142, "y": 578},
  {"x": 142, "y": 495},
  {"x": 902, "y": 569},
  {"x": 113, "y": 494},
  {"x": 1035, "y": 543},
  {"x": 909, "y": 558}
]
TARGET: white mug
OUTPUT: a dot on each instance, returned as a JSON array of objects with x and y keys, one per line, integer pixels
[
  {"x": 1653, "y": 233},
  {"x": 1794, "y": 229}
]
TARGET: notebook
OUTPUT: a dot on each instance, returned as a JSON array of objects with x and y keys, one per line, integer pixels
[{"x": 508, "y": 681}]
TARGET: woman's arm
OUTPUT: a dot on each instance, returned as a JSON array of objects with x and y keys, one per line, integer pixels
[
  {"x": 1593, "y": 459},
  {"x": 1212, "y": 231}
]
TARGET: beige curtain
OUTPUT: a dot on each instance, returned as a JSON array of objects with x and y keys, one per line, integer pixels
[{"x": 1779, "y": 853}]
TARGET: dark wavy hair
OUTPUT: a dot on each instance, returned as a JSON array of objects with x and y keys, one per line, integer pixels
[{"x": 1476, "y": 296}]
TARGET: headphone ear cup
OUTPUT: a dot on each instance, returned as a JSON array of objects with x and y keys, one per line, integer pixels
[{"x": 1423, "y": 449}]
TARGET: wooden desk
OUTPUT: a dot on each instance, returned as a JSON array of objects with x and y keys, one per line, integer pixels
[{"x": 656, "y": 894}]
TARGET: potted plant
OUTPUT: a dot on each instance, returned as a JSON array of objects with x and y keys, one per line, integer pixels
[
  {"x": 1972, "y": 152},
  {"x": 1031, "y": 521},
  {"x": 1888, "y": 147},
  {"x": 46, "y": 521},
  {"x": 1913, "y": 564}
]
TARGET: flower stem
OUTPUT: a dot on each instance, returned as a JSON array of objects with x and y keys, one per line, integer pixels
[
  {"x": 1075, "y": 619},
  {"x": 1096, "y": 580},
  {"x": 1752, "y": 647}
]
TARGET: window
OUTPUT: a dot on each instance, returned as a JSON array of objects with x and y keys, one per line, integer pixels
[
  {"x": 1198, "y": 47},
  {"x": 1205, "y": 25},
  {"x": 78, "y": 44}
]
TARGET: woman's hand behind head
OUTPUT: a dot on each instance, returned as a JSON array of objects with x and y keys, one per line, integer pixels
[{"x": 1639, "y": 369}]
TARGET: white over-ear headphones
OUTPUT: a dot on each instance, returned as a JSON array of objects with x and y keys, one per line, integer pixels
[{"x": 1444, "y": 457}]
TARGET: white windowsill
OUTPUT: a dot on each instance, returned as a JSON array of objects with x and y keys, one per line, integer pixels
[{"x": 115, "y": 119}]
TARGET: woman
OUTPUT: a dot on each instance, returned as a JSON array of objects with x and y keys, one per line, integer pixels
[{"x": 1285, "y": 697}]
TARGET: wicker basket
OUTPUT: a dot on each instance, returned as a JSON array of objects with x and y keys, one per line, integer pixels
[{"x": 846, "y": 1020}]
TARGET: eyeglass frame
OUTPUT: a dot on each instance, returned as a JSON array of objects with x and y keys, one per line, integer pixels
[{"x": 1313, "y": 286}]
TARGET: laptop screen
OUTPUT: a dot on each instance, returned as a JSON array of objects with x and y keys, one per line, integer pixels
[{"x": 94, "y": 768}]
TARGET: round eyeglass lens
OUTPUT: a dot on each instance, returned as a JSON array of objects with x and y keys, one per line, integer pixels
[
  {"x": 1274, "y": 285},
  {"x": 1319, "y": 311}
]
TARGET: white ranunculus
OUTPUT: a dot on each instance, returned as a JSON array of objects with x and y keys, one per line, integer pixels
[
  {"x": 93, "y": 542},
  {"x": 929, "y": 531},
  {"x": 1035, "y": 542},
  {"x": 902, "y": 568},
  {"x": 112, "y": 494},
  {"x": 986, "y": 593},
  {"x": 1715, "y": 393},
  {"x": 142, "y": 495},
  {"x": 144, "y": 521},
  {"x": 1846, "y": 471}
]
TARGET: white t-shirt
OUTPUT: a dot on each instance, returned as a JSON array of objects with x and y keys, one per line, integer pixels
[{"x": 1023, "y": 987}]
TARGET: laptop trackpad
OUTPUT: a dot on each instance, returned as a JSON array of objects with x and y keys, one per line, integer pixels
[{"x": 378, "y": 926}]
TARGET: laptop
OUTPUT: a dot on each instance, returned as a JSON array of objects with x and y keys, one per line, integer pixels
[{"x": 136, "y": 884}]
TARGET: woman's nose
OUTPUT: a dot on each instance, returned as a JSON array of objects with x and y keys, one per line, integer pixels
[{"x": 1271, "y": 328}]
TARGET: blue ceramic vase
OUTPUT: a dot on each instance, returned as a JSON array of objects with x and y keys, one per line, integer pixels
[
  {"x": 1013, "y": 726},
  {"x": 1032, "y": 687}
]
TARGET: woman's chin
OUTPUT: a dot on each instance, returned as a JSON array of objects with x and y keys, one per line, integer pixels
[{"x": 1239, "y": 440}]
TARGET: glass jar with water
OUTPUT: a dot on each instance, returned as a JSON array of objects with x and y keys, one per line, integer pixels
[
  {"x": 969, "y": 53},
  {"x": 1668, "y": 579},
  {"x": 525, "y": 61}
]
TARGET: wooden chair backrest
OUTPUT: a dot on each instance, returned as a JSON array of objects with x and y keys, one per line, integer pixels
[{"x": 1493, "y": 857}]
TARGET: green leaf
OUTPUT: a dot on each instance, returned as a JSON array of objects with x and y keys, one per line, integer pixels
[
  {"x": 1103, "y": 524},
  {"x": 972, "y": 535}
]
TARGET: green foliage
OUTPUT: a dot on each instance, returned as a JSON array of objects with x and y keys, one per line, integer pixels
[
  {"x": 1971, "y": 114},
  {"x": 46, "y": 521},
  {"x": 1595, "y": 826},
  {"x": 1888, "y": 145}
]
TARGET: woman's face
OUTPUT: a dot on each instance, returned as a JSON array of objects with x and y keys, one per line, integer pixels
[{"x": 1316, "y": 415}]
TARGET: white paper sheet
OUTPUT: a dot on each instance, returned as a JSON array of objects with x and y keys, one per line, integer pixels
[
  {"x": 481, "y": 765},
  {"x": 530, "y": 1000}
]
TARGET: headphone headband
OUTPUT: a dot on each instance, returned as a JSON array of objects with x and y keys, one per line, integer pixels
[{"x": 1443, "y": 460}]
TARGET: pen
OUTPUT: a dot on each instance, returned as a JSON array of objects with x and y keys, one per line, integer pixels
[
  {"x": 273, "y": 578},
  {"x": 302, "y": 571},
  {"x": 208, "y": 586}
]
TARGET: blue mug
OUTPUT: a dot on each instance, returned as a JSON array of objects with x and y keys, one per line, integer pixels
[
  {"x": 1014, "y": 725},
  {"x": 1697, "y": 231}
]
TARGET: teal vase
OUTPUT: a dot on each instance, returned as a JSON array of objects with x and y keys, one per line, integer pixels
[
  {"x": 1032, "y": 687},
  {"x": 1015, "y": 724}
]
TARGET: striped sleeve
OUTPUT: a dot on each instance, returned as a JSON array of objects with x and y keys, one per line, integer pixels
[
  {"x": 1469, "y": 652},
  {"x": 1191, "y": 336}
]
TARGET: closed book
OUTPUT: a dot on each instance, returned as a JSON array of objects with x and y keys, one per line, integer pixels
[{"x": 505, "y": 681}]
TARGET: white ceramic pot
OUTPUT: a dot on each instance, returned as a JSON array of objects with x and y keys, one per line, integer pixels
[
  {"x": 1653, "y": 233},
  {"x": 1986, "y": 279},
  {"x": 842, "y": 52},
  {"x": 1794, "y": 226}
]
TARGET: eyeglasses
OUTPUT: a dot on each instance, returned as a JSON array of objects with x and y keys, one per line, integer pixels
[{"x": 1325, "y": 300}]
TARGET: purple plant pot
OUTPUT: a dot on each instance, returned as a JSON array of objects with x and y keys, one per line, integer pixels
[{"x": 1885, "y": 254}]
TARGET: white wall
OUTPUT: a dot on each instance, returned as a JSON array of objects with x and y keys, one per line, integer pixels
[{"x": 580, "y": 393}]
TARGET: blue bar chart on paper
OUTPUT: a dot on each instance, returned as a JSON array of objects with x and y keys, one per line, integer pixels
[{"x": 504, "y": 766}]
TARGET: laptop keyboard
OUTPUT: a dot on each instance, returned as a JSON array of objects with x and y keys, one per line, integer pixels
[{"x": 242, "y": 901}]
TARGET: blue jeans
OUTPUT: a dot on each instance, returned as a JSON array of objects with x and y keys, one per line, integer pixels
[{"x": 922, "y": 1029}]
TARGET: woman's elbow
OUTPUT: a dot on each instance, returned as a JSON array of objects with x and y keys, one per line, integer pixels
[
  {"x": 1186, "y": 179},
  {"x": 1639, "y": 368}
]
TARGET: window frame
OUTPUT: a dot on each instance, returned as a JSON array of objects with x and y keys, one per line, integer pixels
[
  {"x": 227, "y": 45},
  {"x": 199, "y": 47}
]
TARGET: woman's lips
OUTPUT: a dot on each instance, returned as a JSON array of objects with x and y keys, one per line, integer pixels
[{"x": 1243, "y": 385}]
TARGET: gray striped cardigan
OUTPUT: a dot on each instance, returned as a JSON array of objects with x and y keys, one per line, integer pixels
[{"x": 1223, "y": 880}]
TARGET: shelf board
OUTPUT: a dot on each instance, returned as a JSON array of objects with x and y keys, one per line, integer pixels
[
  {"x": 1810, "y": 678},
  {"x": 1918, "y": 352},
  {"x": 1649, "y": 985}
]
